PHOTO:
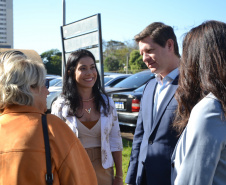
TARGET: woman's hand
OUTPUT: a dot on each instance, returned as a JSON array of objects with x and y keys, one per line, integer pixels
[
  {"x": 117, "y": 156},
  {"x": 118, "y": 180}
]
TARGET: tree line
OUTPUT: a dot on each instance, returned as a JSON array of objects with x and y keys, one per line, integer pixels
[{"x": 118, "y": 56}]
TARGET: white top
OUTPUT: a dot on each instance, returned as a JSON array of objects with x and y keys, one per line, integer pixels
[
  {"x": 89, "y": 137},
  {"x": 111, "y": 139},
  {"x": 199, "y": 157}
]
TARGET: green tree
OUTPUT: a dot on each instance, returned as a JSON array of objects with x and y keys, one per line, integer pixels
[
  {"x": 47, "y": 54},
  {"x": 120, "y": 51},
  {"x": 52, "y": 60},
  {"x": 116, "y": 52},
  {"x": 111, "y": 64},
  {"x": 136, "y": 61}
]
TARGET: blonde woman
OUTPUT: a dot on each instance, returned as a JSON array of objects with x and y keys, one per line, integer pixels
[{"x": 22, "y": 157}]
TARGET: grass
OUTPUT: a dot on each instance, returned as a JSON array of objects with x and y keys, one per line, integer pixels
[{"x": 127, "y": 146}]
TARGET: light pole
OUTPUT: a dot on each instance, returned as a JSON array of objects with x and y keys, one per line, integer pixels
[
  {"x": 64, "y": 12},
  {"x": 127, "y": 62},
  {"x": 64, "y": 22}
]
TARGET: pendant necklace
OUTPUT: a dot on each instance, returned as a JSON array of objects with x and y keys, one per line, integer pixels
[{"x": 88, "y": 110}]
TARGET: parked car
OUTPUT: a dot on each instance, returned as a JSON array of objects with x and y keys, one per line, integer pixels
[
  {"x": 50, "y": 77},
  {"x": 128, "y": 105},
  {"x": 131, "y": 83},
  {"x": 113, "y": 78},
  {"x": 55, "y": 89},
  {"x": 109, "y": 73}
]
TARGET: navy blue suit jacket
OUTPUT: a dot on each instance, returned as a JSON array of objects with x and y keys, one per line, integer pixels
[{"x": 154, "y": 140}]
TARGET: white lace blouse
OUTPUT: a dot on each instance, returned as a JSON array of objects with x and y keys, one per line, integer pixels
[{"x": 111, "y": 140}]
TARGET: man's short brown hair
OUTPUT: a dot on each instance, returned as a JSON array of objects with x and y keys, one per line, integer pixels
[{"x": 160, "y": 33}]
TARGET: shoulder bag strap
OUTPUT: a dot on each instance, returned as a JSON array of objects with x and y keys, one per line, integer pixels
[{"x": 49, "y": 175}]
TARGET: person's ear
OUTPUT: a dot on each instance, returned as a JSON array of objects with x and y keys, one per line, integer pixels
[{"x": 170, "y": 45}]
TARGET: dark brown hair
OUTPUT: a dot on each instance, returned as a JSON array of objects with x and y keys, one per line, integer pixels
[
  {"x": 70, "y": 90},
  {"x": 160, "y": 33},
  {"x": 202, "y": 69}
]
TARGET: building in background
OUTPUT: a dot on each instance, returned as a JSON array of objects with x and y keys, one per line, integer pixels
[{"x": 6, "y": 23}]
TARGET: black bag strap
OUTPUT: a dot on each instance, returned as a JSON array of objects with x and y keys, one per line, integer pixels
[{"x": 49, "y": 175}]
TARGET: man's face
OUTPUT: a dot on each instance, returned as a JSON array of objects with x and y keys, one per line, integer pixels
[{"x": 155, "y": 57}]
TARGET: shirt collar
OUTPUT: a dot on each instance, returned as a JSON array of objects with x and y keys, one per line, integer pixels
[
  {"x": 21, "y": 109},
  {"x": 168, "y": 78}
]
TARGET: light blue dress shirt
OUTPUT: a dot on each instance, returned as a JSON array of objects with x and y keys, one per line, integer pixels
[{"x": 162, "y": 88}]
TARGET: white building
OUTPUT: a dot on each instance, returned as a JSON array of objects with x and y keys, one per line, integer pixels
[{"x": 6, "y": 23}]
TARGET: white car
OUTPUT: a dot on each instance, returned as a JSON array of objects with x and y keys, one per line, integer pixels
[{"x": 55, "y": 89}]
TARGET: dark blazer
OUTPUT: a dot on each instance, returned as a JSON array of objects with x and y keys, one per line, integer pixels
[{"x": 154, "y": 140}]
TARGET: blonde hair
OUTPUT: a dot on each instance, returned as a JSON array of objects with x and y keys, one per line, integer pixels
[
  {"x": 11, "y": 53},
  {"x": 17, "y": 76}
]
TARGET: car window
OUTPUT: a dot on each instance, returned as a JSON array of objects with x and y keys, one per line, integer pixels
[
  {"x": 135, "y": 80},
  {"x": 116, "y": 81}
]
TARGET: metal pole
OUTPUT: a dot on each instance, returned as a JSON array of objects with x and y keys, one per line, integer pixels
[
  {"x": 64, "y": 12},
  {"x": 100, "y": 52},
  {"x": 127, "y": 63},
  {"x": 63, "y": 57}
]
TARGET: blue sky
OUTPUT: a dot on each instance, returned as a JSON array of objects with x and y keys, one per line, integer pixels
[{"x": 37, "y": 23}]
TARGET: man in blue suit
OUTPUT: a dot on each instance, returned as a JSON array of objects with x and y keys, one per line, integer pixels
[{"x": 154, "y": 138}]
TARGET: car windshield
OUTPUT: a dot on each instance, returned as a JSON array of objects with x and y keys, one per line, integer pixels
[
  {"x": 54, "y": 81},
  {"x": 140, "y": 89},
  {"x": 106, "y": 79},
  {"x": 135, "y": 80},
  {"x": 58, "y": 84}
]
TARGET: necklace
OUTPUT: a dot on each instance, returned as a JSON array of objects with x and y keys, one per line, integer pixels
[
  {"x": 89, "y": 99},
  {"x": 88, "y": 110}
]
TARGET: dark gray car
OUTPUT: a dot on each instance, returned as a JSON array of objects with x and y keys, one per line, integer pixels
[
  {"x": 128, "y": 105},
  {"x": 131, "y": 83}
]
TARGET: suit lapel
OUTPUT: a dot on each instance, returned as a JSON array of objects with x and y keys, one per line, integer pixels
[
  {"x": 152, "y": 92},
  {"x": 168, "y": 97},
  {"x": 147, "y": 105}
]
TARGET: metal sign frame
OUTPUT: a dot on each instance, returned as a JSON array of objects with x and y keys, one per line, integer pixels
[{"x": 84, "y": 34}]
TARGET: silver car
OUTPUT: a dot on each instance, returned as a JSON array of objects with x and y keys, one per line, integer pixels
[{"x": 55, "y": 89}]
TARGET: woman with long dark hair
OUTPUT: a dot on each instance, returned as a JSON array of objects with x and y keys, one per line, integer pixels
[
  {"x": 91, "y": 114},
  {"x": 200, "y": 154}
]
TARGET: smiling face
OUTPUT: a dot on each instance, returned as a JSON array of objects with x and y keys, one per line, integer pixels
[
  {"x": 156, "y": 57},
  {"x": 85, "y": 73}
]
